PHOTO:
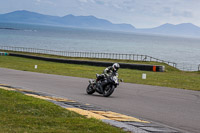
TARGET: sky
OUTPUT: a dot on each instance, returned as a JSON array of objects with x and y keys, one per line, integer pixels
[{"x": 139, "y": 13}]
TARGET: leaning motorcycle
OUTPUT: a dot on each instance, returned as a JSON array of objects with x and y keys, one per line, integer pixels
[{"x": 108, "y": 84}]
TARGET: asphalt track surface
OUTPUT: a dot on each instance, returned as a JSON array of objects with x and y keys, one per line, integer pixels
[{"x": 169, "y": 106}]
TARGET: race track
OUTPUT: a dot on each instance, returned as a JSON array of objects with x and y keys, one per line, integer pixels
[{"x": 169, "y": 106}]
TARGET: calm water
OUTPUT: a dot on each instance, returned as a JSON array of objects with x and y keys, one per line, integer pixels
[{"x": 180, "y": 50}]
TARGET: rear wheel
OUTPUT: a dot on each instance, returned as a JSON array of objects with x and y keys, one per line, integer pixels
[
  {"x": 90, "y": 90},
  {"x": 109, "y": 89}
]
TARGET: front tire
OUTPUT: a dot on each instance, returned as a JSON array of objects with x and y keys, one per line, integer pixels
[
  {"x": 109, "y": 89},
  {"x": 90, "y": 89}
]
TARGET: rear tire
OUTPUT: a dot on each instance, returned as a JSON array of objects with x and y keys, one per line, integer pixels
[
  {"x": 109, "y": 89},
  {"x": 90, "y": 89}
]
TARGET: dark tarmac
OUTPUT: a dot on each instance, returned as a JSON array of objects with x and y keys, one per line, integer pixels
[{"x": 173, "y": 107}]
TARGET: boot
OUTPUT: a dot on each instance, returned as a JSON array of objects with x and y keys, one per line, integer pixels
[{"x": 99, "y": 87}]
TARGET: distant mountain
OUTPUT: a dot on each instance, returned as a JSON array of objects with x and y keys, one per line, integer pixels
[
  {"x": 23, "y": 16},
  {"x": 68, "y": 20},
  {"x": 184, "y": 29}
]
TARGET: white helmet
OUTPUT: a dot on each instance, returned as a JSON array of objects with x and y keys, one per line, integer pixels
[{"x": 115, "y": 66}]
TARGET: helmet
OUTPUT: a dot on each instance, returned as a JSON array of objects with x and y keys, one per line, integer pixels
[{"x": 115, "y": 66}]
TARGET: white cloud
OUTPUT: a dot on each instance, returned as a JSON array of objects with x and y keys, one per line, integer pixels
[
  {"x": 45, "y": 2},
  {"x": 85, "y": 1}
]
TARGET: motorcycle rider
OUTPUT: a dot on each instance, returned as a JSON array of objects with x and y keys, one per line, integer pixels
[{"x": 108, "y": 71}]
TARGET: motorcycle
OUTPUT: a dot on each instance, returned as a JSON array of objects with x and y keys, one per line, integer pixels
[{"x": 108, "y": 85}]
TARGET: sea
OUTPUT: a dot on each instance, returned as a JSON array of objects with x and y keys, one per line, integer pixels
[{"x": 184, "y": 51}]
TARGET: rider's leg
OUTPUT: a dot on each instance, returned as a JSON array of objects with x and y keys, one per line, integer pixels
[{"x": 100, "y": 77}]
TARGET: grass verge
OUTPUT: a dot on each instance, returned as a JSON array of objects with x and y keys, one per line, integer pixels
[
  {"x": 171, "y": 78},
  {"x": 170, "y": 68},
  {"x": 20, "y": 113}
]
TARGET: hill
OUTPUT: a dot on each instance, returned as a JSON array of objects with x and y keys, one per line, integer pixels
[
  {"x": 184, "y": 29},
  {"x": 24, "y": 16},
  {"x": 91, "y": 22}
]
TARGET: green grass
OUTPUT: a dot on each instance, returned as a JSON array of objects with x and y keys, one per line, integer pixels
[
  {"x": 168, "y": 68},
  {"x": 171, "y": 78},
  {"x": 24, "y": 114}
]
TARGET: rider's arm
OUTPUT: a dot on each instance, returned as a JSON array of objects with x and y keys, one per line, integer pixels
[{"x": 107, "y": 70}]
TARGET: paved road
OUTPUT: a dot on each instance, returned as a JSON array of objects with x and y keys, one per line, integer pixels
[{"x": 173, "y": 107}]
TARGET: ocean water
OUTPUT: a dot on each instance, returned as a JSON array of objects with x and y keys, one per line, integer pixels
[{"x": 183, "y": 51}]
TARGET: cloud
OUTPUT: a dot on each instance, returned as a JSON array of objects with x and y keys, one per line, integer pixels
[
  {"x": 85, "y": 1},
  {"x": 99, "y": 2},
  {"x": 45, "y": 2},
  {"x": 185, "y": 14}
]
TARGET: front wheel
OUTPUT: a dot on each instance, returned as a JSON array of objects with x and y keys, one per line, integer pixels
[
  {"x": 109, "y": 89},
  {"x": 90, "y": 89}
]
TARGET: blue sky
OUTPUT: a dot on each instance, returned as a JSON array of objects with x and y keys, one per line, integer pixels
[{"x": 139, "y": 13}]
